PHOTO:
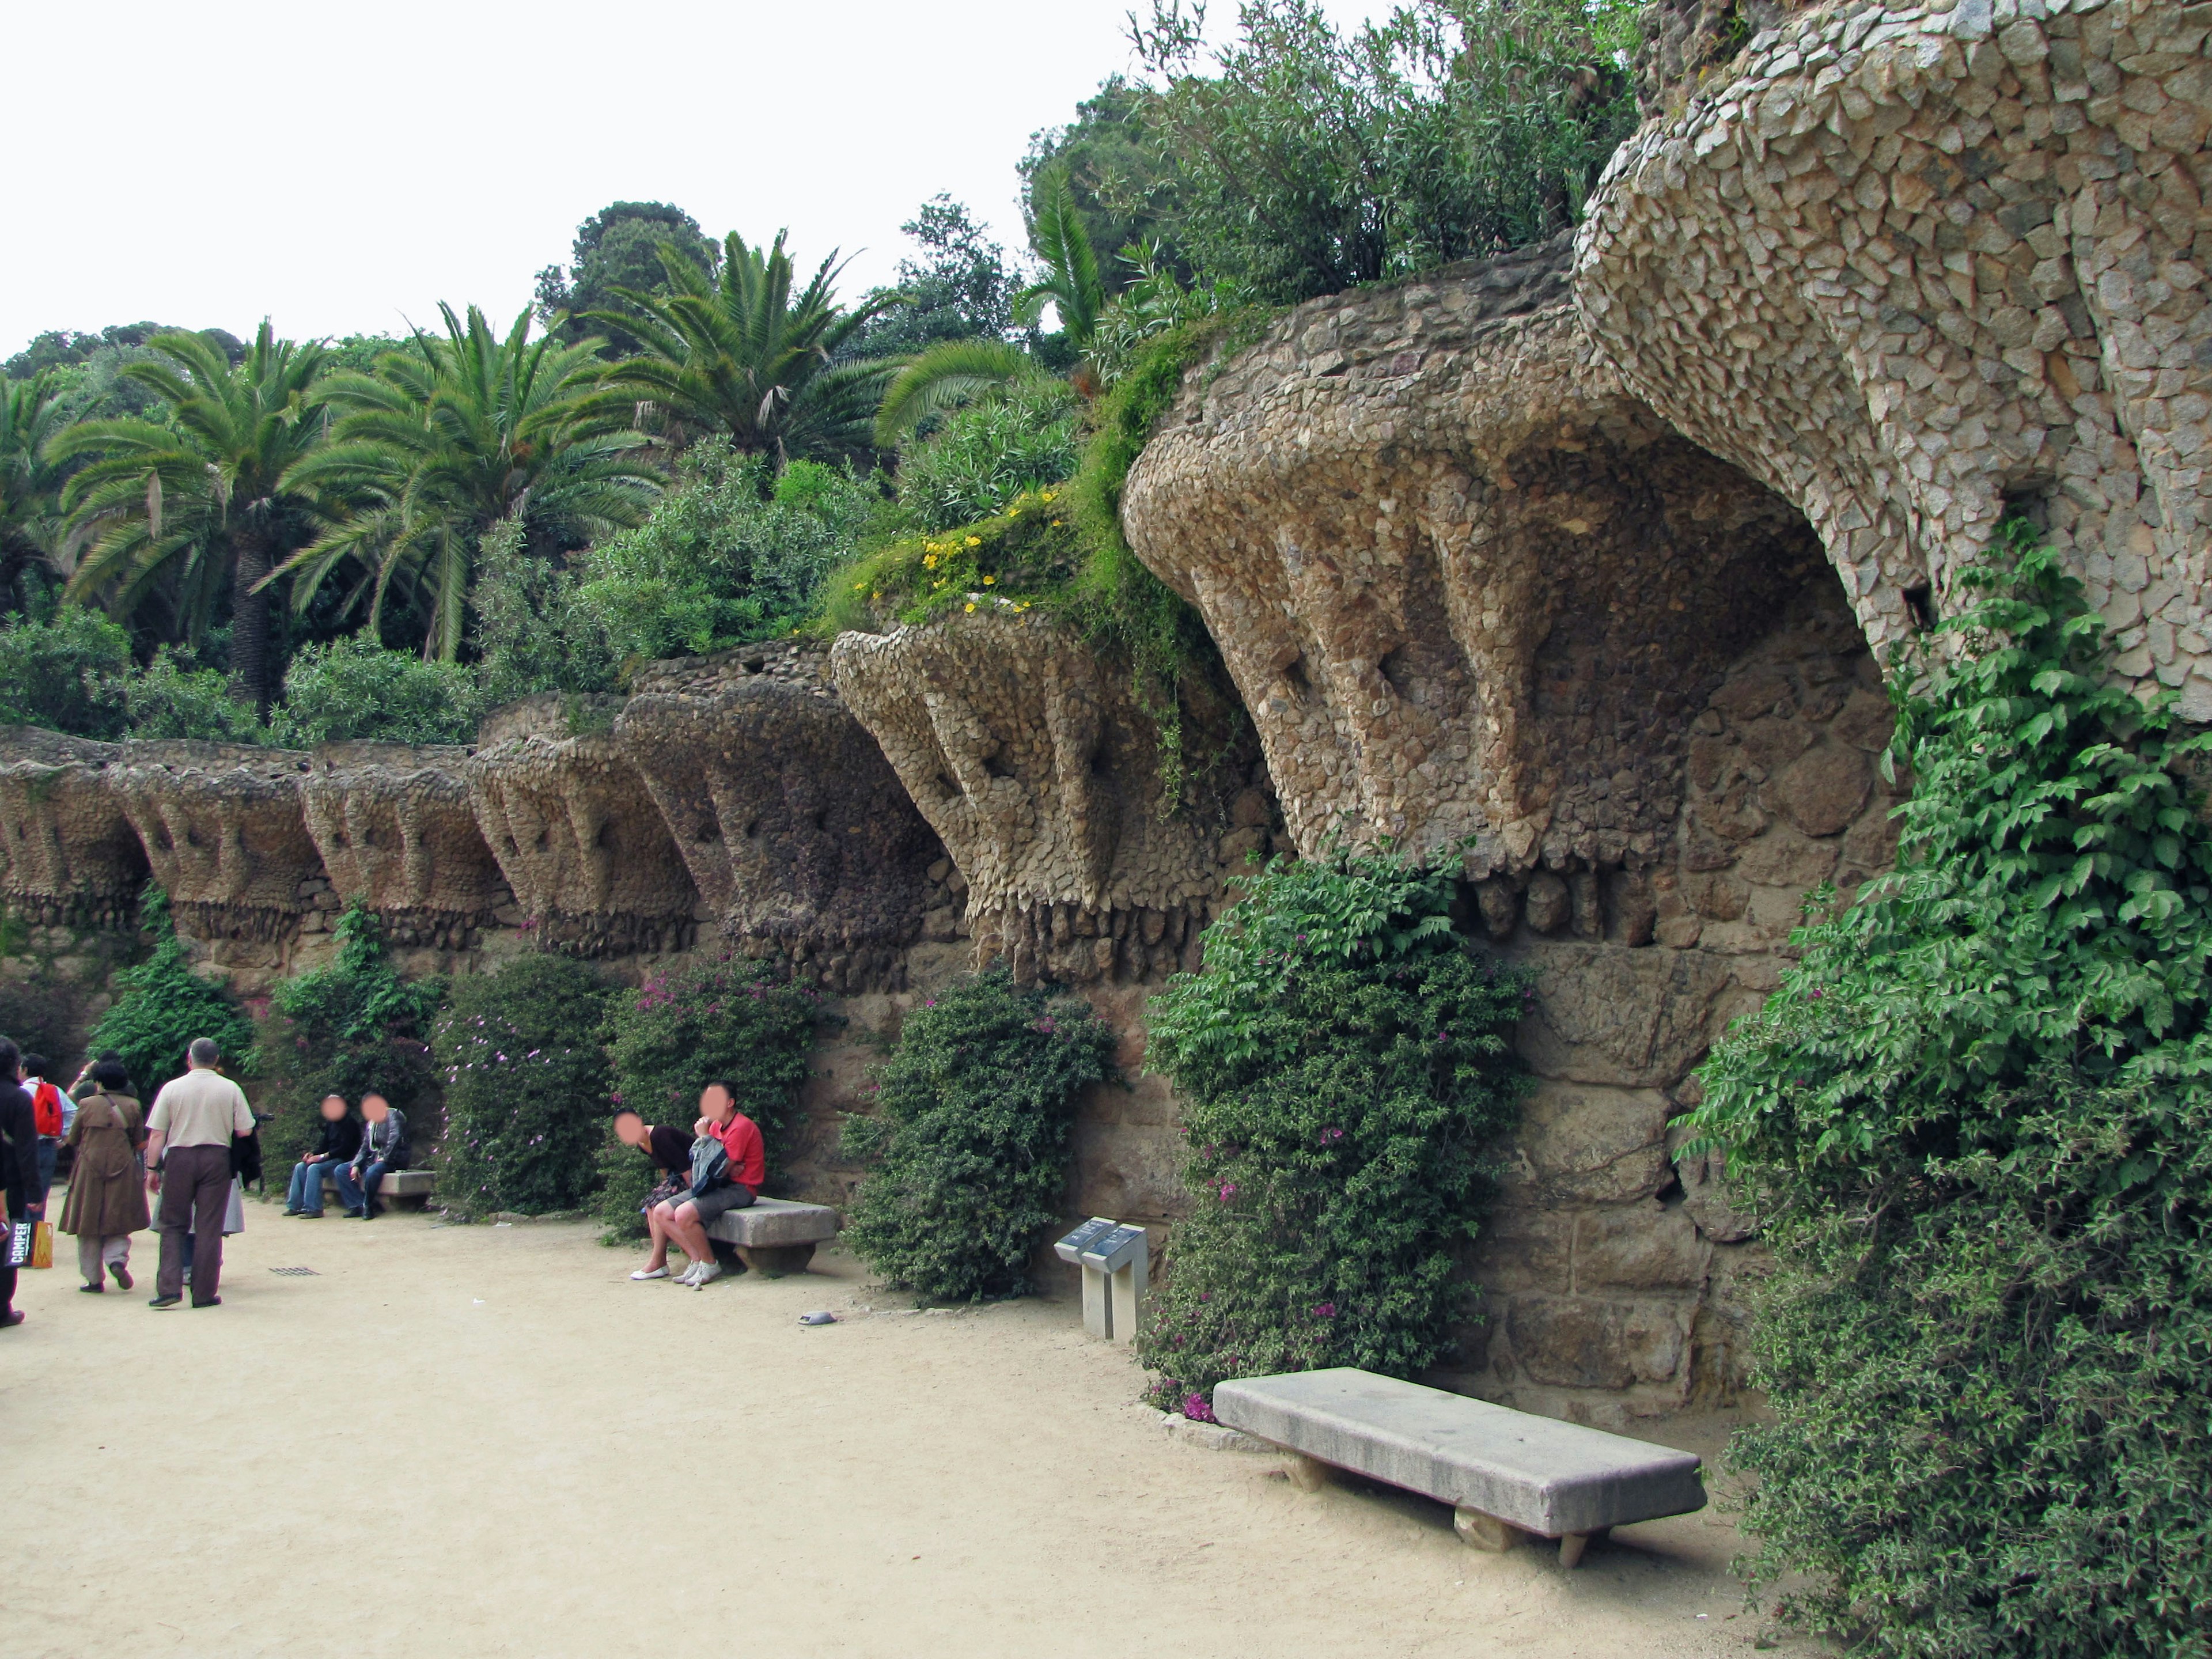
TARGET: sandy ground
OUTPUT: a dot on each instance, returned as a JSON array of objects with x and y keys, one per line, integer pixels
[{"x": 486, "y": 1441}]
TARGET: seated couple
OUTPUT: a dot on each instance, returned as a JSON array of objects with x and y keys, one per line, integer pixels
[
  {"x": 354, "y": 1152},
  {"x": 719, "y": 1165}
]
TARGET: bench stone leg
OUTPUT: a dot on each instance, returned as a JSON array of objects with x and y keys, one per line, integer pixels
[
  {"x": 1573, "y": 1544},
  {"x": 1307, "y": 1473},
  {"x": 1485, "y": 1532},
  {"x": 775, "y": 1261}
]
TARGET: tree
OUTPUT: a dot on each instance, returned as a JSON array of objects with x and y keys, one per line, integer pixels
[
  {"x": 1128, "y": 187},
  {"x": 617, "y": 247},
  {"x": 31, "y": 518},
  {"x": 215, "y": 490},
  {"x": 450, "y": 436},
  {"x": 958, "y": 289},
  {"x": 949, "y": 374},
  {"x": 738, "y": 352},
  {"x": 1071, "y": 280}
]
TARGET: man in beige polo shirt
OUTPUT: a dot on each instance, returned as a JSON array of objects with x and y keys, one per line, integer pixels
[{"x": 188, "y": 1165}]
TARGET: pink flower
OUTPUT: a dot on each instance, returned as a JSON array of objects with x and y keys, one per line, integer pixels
[
  {"x": 1196, "y": 1408},
  {"x": 1325, "y": 1310}
]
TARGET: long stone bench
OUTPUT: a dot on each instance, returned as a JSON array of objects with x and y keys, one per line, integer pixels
[
  {"x": 1504, "y": 1473},
  {"x": 775, "y": 1236},
  {"x": 407, "y": 1186}
]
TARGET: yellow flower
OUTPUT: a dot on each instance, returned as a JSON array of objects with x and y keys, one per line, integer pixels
[
  {"x": 875, "y": 596},
  {"x": 975, "y": 541},
  {"x": 1055, "y": 524},
  {"x": 929, "y": 562},
  {"x": 990, "y": 581},
  {"x": 971, "y": 604},
  {"x": 1046, "y": 496},
  {"x": 860, "y": 587}
]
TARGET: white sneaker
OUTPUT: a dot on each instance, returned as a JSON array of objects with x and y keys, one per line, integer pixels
[
  {"x": 690, "y": 1275},
  {"x": 650, "y": 1272},
  {"x": 708, "y": 1274}
]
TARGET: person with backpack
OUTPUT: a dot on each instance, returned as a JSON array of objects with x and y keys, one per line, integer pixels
[
  {"x": 729, "y": 1162},
  {"x": 107, "y": 1200},
  {"x": 48, "y": 1113}
]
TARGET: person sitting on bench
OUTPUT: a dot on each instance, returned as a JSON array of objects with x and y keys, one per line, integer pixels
[
  {"x": 382, "y": 1149},
  {"x": 337, "y": 1140},
  {"x": 729, "y": 1162},
  {"x": 670, "y": 1149}
]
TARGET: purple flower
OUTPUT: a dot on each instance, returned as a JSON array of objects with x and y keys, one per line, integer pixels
[
  {"x": 1196, "y": 1408},
  {"x": 1325, "y": 1310},
  {"x": 1228, "y": 1191}
]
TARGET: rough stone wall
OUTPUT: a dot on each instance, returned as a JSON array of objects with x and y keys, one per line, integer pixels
[
  {"x": 796, "y": 831},
  {"x": 574, "y": 829},
  {"x": 68, "y": 853},
  {"x": 1466, "y": 584},
  {"x": 1034, "y": 762},
  {"x": 1915, "y": 266},
  {"x": 397, "y": 832}
]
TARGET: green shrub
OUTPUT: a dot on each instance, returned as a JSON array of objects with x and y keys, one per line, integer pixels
[
  {"x": 172, "y": 697},
  {"x": 526, "y": 1084},
  {"x": 982, "y": 457},
  {"x": 733, "y": 553},
  {"x": 355, "y": 688},
  {"x": 969, "y": 1157},
  {"x": 65, "y": 672},
  {"x": 161, "y": 1005},
  {"x": 720, "y": 1021},
  {"x": 1345, "y": 1063},
  {"x": 1975, "y": 1122},
  {"x": 353, "y": 1028}
]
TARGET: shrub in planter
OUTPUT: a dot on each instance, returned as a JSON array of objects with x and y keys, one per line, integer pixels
[
  {"x": 1345, "y": 1065},
  {"x": 1976, "y": 1123},
  {"x": 526, "y": 1084},
  {"x": 969, "y": 1157},
  {"x": 161, "y": 1005},
  {"x": 351, "y": 1029},
  {"x": 680, "y": 1031}
]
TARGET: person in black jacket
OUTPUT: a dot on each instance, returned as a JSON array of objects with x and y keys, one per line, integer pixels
[
  {"x": 19, "y": 1169},
  {"x": 382, "y": 1149},
  {"x": 339, "y": 1140}
]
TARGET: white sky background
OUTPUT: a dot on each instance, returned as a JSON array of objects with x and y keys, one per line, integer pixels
[{"x": 343, "y": 167}]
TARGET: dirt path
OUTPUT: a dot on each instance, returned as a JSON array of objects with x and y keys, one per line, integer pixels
[{"x": 486, "y": 1441}]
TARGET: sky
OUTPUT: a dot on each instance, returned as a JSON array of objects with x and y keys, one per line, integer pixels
[{"x": 342, "y": 168}]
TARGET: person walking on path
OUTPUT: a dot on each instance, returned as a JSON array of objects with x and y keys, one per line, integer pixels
[
  {"x": 383, "y": 1148},
  {"x": 19, "y": 1171},
  {"x": 339, "y": 1140},
  {"x": 188, "y": 1165},
  {"x": 46, "y": 1112},
  {"x": 107, "y": 1200}
]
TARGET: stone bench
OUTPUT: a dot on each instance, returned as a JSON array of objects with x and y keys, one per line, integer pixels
[
  {"x": 775, "y": 1236},
  {"x": 1504, "y": 1473},
  {"x": 407, "y": 1186}
]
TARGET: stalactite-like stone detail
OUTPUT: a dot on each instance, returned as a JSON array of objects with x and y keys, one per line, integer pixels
[
  {"x": 68, "y": 850},
  {"x": 397, "y": 831},
  {"x": 225, "y": 833}
]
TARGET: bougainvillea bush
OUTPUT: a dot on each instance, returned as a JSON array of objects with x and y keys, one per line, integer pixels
[
  {"x": 969, "y": 1154},
  {"x": 719, "y": 1021},
  {"x": 1345, "y": 1061},
  {"x": 1976, "y": 1122},
  {"x": 527, "y": 1087}
]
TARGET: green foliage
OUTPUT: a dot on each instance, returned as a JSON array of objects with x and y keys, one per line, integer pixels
[
  {"x": 532, "y": 634},
  {"x": 1125, "y": 183},
  {"x": 733, "y": 553},
  {"x": 161, "y": 1005},
  {"x": 617, "y": 247},
  {"x": 65, "y": 671},
  {"x": 1002, "y": 564},
  {"x": 526, "y": 1084},
  {"x": 1346, "y": 1062},
  {"x": 1974, "y": 1120},
  {"x": 350, "y": 1028},
  {"x": 949, "y": 374},
  {"x": 355, "y": 688},
  {"x": 1156, "y": 301},
  {"x": 969, "y": 1156},
  {"x": 980, "y": 458},
  {"x": 958, "y": 289},
  {"x": 1070, "y": 281},
  {"x": 172, "y": 696},
  {"x": 31, "y": 520},
  {"x": 1312, "y": 160}
]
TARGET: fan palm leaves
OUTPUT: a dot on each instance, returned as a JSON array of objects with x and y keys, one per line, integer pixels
[
  {"x": 949, "y": 374},
  {"x": 1071, "y": 280},
  {"x": 31, "y": 521},
  {"x": 450, "y": 435},
  {"x": 740, "y": 352},
  {"x": 213, "y": 492}
]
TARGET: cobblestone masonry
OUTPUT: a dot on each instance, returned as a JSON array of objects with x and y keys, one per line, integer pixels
[
  {"x": 68, "y": 853},
  {"x": 585, "y": 851},
  {"x": 1033, "y": 762},
  {"x": 798, "y": 833},
  {"x": 1466, "y": 584},
  {"x": 397, "y": 831},
  {"x": 1912, "y": 266}
]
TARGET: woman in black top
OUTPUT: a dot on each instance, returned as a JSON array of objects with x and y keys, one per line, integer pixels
[{"x": 670, "y": 1149}]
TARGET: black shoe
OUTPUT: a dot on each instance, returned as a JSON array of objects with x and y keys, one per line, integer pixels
[
  {"x": 122, "y": 1275},
  {"x": 212, "y": 1302},
  {"x": 295, "y": 1213},
  {"x": 370, "y": 1213},
  {"x": 14, "y": 1318},
  {"x": 93, "y": 1289},
  {"x": 164, "y": 1302},
  {"x": 355, "y": 1215},
  {"x": 309, "y": 1215}
]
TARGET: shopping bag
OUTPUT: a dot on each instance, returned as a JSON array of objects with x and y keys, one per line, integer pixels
[{"x": 42, "y": 1245}]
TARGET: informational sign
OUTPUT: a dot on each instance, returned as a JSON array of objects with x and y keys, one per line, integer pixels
[
  {"x": 1115, "y": 1250},
  {"x": 1072, "y": 1247}
]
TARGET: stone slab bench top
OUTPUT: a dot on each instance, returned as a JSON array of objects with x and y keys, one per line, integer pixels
[
  {"x": 1543, "y": 1476},
  {"x": 769, "y": 1222},
  {"x": 408, "y": 1183}
]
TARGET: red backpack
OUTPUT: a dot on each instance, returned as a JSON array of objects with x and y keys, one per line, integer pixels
[{"x": 46, "y": 1108}]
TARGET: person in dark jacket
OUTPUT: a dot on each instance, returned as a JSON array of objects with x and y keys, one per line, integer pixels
[
  {"x": 382, "y": 1149},
  {"x": 338, "y": 1139},
  {"x": 107, "y": 1200},
  {"x": 19, "y": 1168}
]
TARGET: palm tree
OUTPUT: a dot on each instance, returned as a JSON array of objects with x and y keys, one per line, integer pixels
[
  {"x": 31, "y": 413},
  {"x": 1071, "y": 278},
  {"x": 450, "y": 435},
  {"x": 949, "y": 374},
  {"x": 212, "y": 491},
  {"x": 739, "y": 353}
]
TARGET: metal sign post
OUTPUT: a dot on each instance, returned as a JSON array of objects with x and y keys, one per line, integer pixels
[{"x": 1113, "y": 1259}]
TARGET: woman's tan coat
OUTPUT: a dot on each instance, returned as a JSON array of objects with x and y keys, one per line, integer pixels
[{"x": 107, "y": 1186}]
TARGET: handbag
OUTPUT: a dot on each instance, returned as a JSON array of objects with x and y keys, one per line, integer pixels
[
  {"x": 710, "y": 1165},
  {"x": 42, "y": 1245},
  {"x": 234, "y": 1212}
]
